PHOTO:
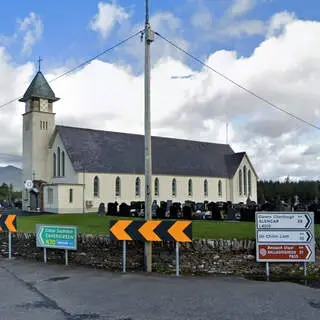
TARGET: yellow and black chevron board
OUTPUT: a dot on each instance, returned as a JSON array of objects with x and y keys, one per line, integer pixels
[
  {"x": 8, "y": 222},
  {"x": 153, "y": 230}
]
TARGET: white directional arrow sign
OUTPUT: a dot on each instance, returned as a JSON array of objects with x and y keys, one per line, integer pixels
[
  {"x": 283, "y": 221},
  {"x": 284, "y": 236}
]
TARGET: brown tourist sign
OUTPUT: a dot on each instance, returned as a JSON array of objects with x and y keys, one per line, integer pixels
[{"x": 276, "y": 253}]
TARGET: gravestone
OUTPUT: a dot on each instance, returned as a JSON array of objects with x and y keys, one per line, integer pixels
[
  {"x": 169, "y": 204},
  {"x": 154, "y": 208}
]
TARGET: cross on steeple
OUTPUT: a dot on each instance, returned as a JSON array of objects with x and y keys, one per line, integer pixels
[{"x": 39, "y": 63}]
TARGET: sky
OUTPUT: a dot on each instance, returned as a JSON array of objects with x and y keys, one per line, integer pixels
[{"x": 271, "y": 47}]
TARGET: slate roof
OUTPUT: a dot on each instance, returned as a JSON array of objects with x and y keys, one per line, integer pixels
[
  {"x": 114, "y": 152},
  {"x": 39, "y": 88},
  {"x": 233, "y": 161}
]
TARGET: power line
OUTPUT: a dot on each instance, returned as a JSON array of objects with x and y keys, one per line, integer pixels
[
  {"x": 239, "y": 85},
  {"x": 80, "y": 65}
]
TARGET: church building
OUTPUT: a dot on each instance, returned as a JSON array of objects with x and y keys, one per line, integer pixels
[{"x": 75, "y": 169}]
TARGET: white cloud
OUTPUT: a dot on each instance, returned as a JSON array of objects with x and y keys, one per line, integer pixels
[
  {"x": 7, "y": 40},
  {"x": 231, "y": 25},
  {"x": 243, "y": 28},
  {"x": 13, "y": 82},
  {"x": 169, "y": 26},
  {"x": 109, "y": 14},
  {"x": 282, "y": 69},
  {"x": 279, "y": 21},
  {"x": 202, "y": 19},
  {"x": 241, "y": 7},
  {"x": 32, "y": 27}
]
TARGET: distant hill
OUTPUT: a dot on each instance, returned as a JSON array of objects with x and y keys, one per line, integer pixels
[{"x": 11, "y": 174}]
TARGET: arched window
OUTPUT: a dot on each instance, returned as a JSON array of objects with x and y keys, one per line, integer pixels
[
  {"x": 58, "y": 156},
  {"x": 205, "y": 188},
  {"x": 240, "y": 182},
  {"x": 174, "y": 187},
  {"x": 96, "y": 187},
  {"x": 220, "y": 188},
  {"x": 118, "y": 187},
  {"x": 63, "y": 163},
  {"x": 245, "y": 180},
  {"x": 249, "y": 182},
  {"x": 190, "y": 187},
  {"x": 138, "y": 193},
  {"x": 156, "y": 187},
  {"x": 54, "y": 164}
]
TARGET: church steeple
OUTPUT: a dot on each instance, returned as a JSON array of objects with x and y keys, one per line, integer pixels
[
  {"x": 38, "y": 127},
  {"x": 39, "y": 95},
  {"x": 39, "y": 88}
]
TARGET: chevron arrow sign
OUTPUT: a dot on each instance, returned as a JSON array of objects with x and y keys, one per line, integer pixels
[
  {"x": 8, "y": 222},
  {"x": 153, "y": 230}
]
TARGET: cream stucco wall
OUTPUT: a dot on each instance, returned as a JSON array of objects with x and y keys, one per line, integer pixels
[
  {"x": 54, "y": 205},
  {"x": 128, "y": 182},
  {"x": 235, "y": 183},
  {"x": 62, "y": 201},
  {"x": 70, "y": 175},
  {"x": 36, "y": 138}
]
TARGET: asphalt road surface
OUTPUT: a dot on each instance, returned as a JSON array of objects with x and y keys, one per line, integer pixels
[{"x": 35, "y": 291}]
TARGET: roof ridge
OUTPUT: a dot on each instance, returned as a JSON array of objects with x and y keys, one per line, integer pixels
[{"x": 141, "y": 135}]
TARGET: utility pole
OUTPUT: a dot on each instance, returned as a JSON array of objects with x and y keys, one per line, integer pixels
[
  {"x": 148, "y": 38},
  {"x": 227, "y": 142}
]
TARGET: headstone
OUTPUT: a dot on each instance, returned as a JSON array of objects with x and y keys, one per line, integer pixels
[
  {"x": 231, "y": 214},
  {"x": 154, "y": 208},
  {"x": 169, "y": 204},
  {"x": 102, "y": 209}
]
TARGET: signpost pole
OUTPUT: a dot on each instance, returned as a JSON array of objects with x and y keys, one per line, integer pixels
[
  {"x": 66, "y": 255},
  {"x": 9, "y": 245},
  {"x": 45, "y": 255},
  {"x": 267, "y": 271},
  {"x": 305, "y": 269},
  {"x": 124, "y": 256},
  {"x": 177, "y": 259}
]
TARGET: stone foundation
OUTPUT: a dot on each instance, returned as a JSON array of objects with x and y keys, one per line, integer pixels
[{"x": 221, "y": 257}]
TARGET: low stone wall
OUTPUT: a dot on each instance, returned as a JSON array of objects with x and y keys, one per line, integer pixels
[{"x": 224, "y": 257}]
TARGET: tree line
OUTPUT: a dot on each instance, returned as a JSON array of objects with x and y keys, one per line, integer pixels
[
  {"x": 288, "y": 191},
  {"x": 8, "y": 194}
]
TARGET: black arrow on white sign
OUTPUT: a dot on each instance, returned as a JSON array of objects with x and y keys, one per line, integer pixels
[{"x": 308, "y": 221}]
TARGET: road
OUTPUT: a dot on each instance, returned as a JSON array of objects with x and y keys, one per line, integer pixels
[{"x": 34, "y": 291}]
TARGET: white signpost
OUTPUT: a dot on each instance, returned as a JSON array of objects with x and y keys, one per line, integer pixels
[
  {"x": 284, "y": 220},
  {"x": 285, "y": 237}
]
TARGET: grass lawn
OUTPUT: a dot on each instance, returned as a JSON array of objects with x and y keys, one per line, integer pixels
[{"x": 93, "y": 224}]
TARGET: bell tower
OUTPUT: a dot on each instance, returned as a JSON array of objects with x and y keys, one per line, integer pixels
[{"x": 38, "y": 127}]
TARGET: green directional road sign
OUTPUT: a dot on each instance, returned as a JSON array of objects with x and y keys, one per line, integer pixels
[{"x": 57, "y": 237}]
